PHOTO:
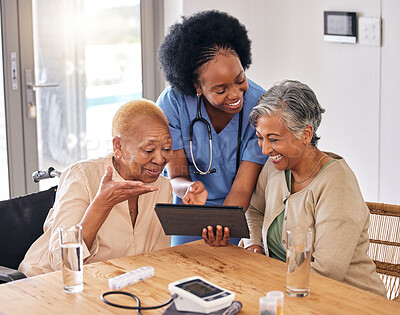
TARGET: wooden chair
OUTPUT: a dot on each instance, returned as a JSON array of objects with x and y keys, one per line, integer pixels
[{"x": 384, "y": 234}]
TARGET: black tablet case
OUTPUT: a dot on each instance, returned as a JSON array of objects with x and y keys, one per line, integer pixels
[{"x": 178, "y": 219}]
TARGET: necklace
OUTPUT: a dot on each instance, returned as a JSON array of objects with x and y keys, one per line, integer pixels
[{"x": 302, "y": 181}]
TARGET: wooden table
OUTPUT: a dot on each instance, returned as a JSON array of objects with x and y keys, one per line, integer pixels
[{"x": 248, "y": 274}]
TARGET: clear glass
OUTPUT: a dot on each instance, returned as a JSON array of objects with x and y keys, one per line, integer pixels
[
  {"x": 71, "y": 258},
  {"x": 92, "y": 49},
  {"x": 279, "y": 297},
  {"x": 4, "y": 183},
  {"x": 298, "y": 258},
  {"x": 267, "y": 306}
]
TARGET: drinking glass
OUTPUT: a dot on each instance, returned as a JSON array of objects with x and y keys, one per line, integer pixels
[
  {"x": 71, "y": 257},
  {"x": 298, "y": 258}
]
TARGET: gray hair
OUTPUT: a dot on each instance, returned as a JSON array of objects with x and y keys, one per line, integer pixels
[{"x": 296, "y": 104}]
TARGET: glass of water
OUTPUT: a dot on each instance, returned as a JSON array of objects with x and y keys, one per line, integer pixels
[
  {"x": 298, "y": 258},
  {"x": 71, "y": 257}
]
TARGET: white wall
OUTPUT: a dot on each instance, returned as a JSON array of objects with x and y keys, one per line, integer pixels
[
  {"x": 390, "y": 104},
  {"x": 356, "y": 84}
]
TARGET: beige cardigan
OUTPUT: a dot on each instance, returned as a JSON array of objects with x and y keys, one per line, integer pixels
[
  {"x": 333, "y": 207},
  {"x": 116, "y": 237}
]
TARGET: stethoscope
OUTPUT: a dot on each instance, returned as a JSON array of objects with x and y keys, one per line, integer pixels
[{"x": 199, "y": 118}]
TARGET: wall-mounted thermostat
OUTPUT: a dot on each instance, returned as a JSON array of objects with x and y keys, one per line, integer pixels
[{"x": 340, "y": 27}]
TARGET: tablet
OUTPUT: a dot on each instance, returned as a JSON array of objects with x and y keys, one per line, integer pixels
[{"x": 178, "y": 219}]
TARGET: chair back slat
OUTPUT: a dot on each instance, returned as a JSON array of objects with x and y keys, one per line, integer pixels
[
  {"x": 384, "y": 242},
  {"x": 384, "y": 249}
]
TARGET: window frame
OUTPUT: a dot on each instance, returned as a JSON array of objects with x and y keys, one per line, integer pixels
[{"x": 17, "y": 36}]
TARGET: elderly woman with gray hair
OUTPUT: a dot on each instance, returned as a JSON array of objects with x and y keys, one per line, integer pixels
[{"x": 301, "y": 186}]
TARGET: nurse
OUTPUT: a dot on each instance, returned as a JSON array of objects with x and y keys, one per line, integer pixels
[{"x": 204, "y": 59}]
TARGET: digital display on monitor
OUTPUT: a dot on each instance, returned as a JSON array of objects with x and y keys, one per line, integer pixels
[
  {"x": 340, "y": 23},
  {"x": 199, "y": 288}
]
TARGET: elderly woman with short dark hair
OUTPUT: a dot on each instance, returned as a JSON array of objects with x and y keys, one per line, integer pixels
[
  {"x": 302, "y": 186},
  {"x": 112, "y": 197}
]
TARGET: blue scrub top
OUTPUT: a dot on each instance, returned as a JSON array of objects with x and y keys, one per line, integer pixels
[{"x": 181, "y": 110}]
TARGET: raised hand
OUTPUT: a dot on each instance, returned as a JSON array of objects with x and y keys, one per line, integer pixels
[{"x": 113, "y": 192}]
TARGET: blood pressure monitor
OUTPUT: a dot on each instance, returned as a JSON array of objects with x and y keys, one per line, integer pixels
[{"x": 196, "y": 294}]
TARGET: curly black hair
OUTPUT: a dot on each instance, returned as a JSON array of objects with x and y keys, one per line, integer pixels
[{"x": 195, "y": 41}]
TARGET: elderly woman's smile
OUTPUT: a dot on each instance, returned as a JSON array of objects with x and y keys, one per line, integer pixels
[
  {"x": 276, "y": 158},
  {"x": 154, "y": 172}
]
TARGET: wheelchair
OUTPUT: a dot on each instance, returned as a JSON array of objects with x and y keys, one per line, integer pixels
[{"x": 21, "y": 223}]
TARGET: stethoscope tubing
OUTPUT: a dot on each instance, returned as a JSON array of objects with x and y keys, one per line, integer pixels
[{"x": 199, "y": 118}]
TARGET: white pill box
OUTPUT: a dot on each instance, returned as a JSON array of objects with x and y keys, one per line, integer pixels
[{"x": 131, "y": 277}]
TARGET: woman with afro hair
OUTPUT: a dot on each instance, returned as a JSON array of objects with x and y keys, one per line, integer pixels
[{"x": 204, "y": 59}]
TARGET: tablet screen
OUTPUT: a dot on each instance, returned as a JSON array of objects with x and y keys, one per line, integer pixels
[{"x": 177, "y": 219}]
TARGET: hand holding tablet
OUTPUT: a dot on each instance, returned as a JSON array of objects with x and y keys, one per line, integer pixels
[{"x": 219, "y": 237}]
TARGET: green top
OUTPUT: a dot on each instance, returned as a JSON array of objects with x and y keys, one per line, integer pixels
[{"x": 275, "y": 245}]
